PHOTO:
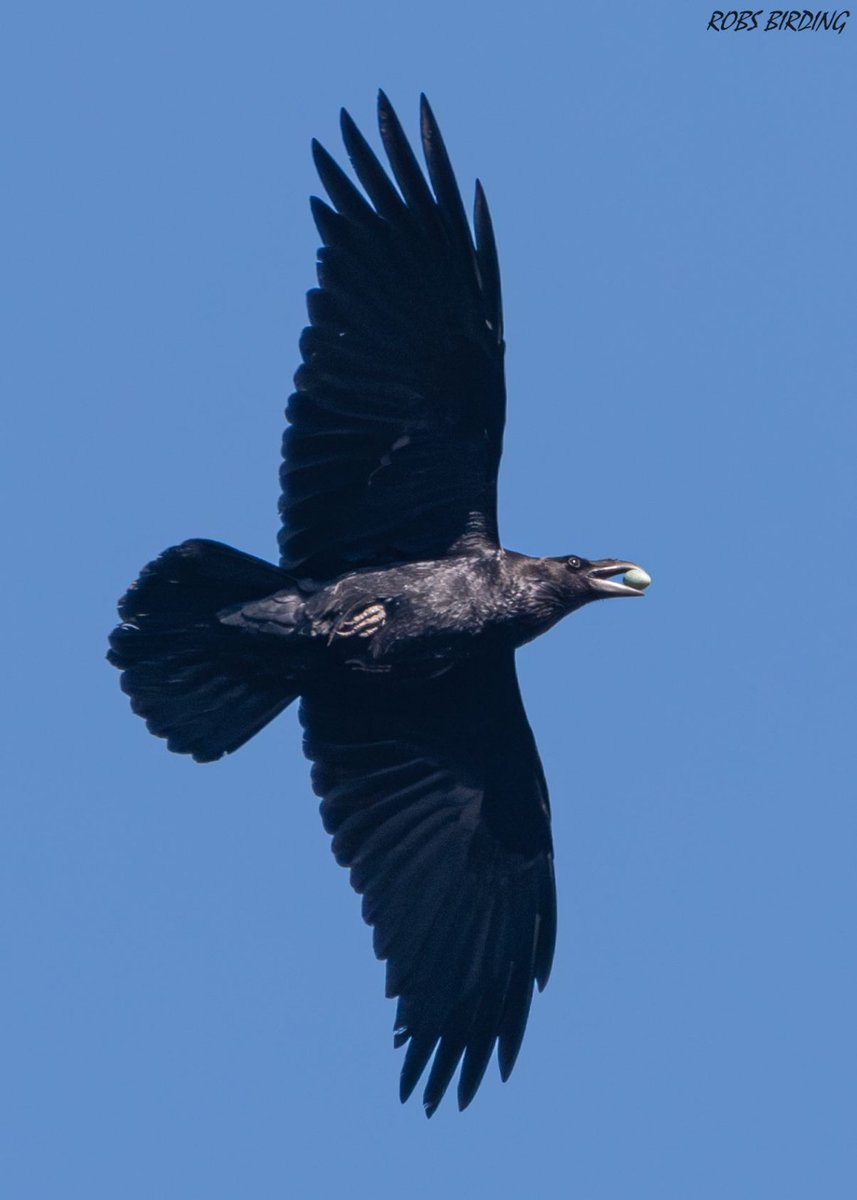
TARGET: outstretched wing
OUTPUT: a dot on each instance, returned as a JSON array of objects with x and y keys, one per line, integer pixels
[
  {"x": 436, "y": 800},
  {"x": 395, "y": 429}
]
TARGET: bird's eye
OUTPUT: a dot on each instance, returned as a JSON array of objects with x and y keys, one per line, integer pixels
[{"x": 574, "y": 562}]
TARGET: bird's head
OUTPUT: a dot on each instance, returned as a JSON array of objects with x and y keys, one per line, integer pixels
[
  {"x": 567, "y": 583},
  {"x": 581, "y": 580}
]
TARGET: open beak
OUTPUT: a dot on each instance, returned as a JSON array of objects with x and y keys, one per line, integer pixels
[{"x": 601, "y": 578}]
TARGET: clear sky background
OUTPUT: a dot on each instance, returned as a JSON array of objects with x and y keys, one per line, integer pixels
[{"x": 190, "y": 1005}]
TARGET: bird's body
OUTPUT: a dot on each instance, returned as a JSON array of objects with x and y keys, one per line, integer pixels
[
  {"x": 419, "y": 616},
  {"x": 395, "y": 612}
]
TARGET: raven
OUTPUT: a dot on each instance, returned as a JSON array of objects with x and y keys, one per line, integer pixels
[{"x": 395, "y": 612}]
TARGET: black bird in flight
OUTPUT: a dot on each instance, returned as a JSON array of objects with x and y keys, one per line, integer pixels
[{"x": 395, "y": 612}]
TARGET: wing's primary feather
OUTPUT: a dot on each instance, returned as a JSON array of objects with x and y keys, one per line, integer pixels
[
  {"x": 395, "y": 428},
  {"x": 436, "y": 800},
  {"x": 406, "y": 170},
  {"x": 446, "y": 189}
]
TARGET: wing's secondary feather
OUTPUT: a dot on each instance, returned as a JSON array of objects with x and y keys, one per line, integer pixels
[
  {"x": 436, "y": 801},
  {"x": 395, "y": 428}
]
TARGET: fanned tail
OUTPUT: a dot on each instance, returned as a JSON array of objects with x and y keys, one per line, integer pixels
[{"x": 205, "y": 686}]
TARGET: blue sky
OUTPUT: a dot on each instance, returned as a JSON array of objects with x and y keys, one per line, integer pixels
[{"x": 675, "y": 215}]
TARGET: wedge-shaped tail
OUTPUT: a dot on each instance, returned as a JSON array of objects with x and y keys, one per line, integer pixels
[{"x": 205, "y": 686}]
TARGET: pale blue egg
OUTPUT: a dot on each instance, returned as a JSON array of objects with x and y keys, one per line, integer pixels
[{"x": 637, "y": 578}]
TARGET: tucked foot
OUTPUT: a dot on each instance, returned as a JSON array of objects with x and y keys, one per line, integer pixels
[{"x": 363, "y": 623}]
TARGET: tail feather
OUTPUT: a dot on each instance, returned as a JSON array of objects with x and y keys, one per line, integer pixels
[{"x": 205, "y": 686}]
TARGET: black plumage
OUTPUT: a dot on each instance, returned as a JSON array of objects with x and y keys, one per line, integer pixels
[
  {"x": 395, "y": 430},
  {"x": 395, "y": 613}
]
